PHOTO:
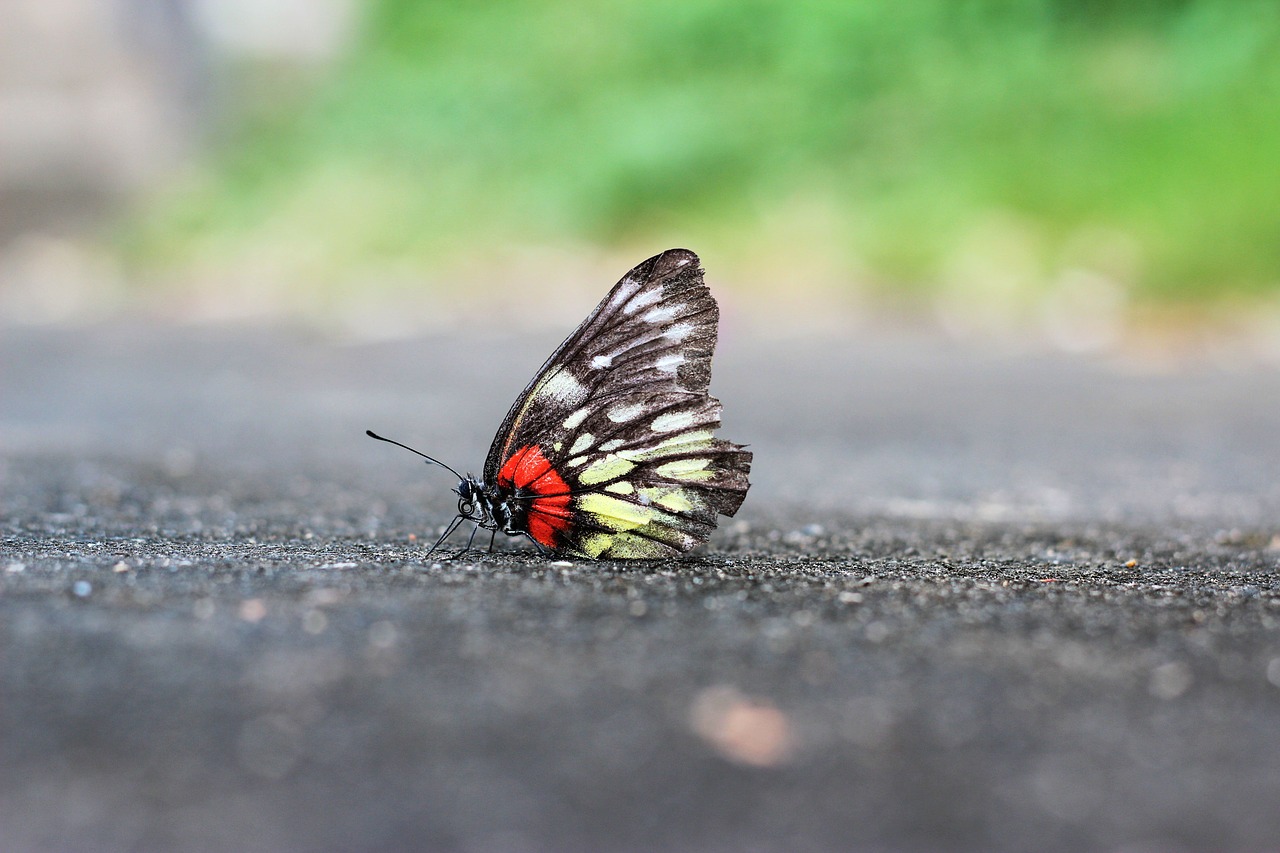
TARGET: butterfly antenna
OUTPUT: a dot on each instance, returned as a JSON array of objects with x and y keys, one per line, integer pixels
[{"x": 429, "y": 459}]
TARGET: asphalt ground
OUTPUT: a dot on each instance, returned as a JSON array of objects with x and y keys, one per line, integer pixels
[{"x": 976, "y": 599}]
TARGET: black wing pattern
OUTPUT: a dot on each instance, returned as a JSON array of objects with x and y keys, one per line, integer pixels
[{"x": 620, "y": 413}]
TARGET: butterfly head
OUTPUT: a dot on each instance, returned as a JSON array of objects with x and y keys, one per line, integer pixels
[{"x": 471, "y": 497}]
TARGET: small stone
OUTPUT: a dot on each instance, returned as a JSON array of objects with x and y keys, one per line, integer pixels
[
  {"x": 382, "y": 635},
  {"x": 744, "y": 730},
  {"x": 252, "y": 610},
  {"x": 120, "y": 567},
  {"x": 324, "y": 597},
  {"x": 1170, "y": 680},
  {"x": 179, "y": 462}
]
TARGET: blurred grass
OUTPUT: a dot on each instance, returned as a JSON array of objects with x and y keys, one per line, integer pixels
[{"x": 914, "y": 147}]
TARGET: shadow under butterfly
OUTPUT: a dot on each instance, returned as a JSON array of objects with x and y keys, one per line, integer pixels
[{"x": 610, "y": 452}]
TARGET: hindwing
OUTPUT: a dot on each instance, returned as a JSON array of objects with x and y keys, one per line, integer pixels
[{"x": 620, "y": 415}]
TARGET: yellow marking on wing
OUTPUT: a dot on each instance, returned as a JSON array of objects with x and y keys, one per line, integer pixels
[
  {"x": 614, "y": 513},
  {"x": 675, "y": 501},
  {"x": 674, "y": 498},
  {"x": 698, "y": 439},
  {"x": 686, "y": 469},
  {"x": 627, "y": 546},
  {"x": 635, "y": 533},
  {"x": 594, "y": 544},
  {"x": 582, "y": 443},
  {"x": 609, "y": 467},
  {"x": 688, "y": 442},
  {"x": 622, "y": 487}
]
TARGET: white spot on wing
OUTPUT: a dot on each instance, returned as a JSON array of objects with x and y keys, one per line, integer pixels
[
  {"x": 624, "y": 413},
  {"x": 672, "y": 421},
  {"x": 611, "y": 444},
  {"x": 669, "y": 363},
  {"x": 602, "y": 361},
  {"x": 662, "y": 313},
  {"x": 644, "y": 300},
  {"x": 574, "y": 420},
  {"x": 678, "y": 332},
  {"x": 582, "y": 443},
  {"x": 625, "y": 291},
  {"x": 563, "y": 386}
]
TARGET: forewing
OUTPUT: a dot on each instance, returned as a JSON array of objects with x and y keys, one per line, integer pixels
[{"x": 621, "y": 411}]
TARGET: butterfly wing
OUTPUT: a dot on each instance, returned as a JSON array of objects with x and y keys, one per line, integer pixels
[{"x": 613, "y": 440}]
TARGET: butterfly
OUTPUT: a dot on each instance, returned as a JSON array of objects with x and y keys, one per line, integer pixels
[{"x": 610, "y": 452}]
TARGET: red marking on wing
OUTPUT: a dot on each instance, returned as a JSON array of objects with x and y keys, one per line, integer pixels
[{"x": 528, "y": 469}]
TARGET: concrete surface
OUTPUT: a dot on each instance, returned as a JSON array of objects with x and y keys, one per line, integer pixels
[{"x": 975, "y": 600}]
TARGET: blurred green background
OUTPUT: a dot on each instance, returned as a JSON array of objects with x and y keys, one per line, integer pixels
[{"x": 1012, "y": 152}]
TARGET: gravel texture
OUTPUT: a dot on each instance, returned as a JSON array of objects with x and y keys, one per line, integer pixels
[{"x": 975, "y": 600}]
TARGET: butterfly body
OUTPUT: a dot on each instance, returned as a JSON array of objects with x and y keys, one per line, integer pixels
[
  {"x": 528, "y": 498},
  {"x": 610, "y": 452}
]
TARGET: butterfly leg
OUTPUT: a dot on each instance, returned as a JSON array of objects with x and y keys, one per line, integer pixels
[
  {"x": 543, "y": 550},
  {"x": 448, "y": 531},
  {"x": 466, "y": 549},
  {"x": 470, "y": 539}
]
